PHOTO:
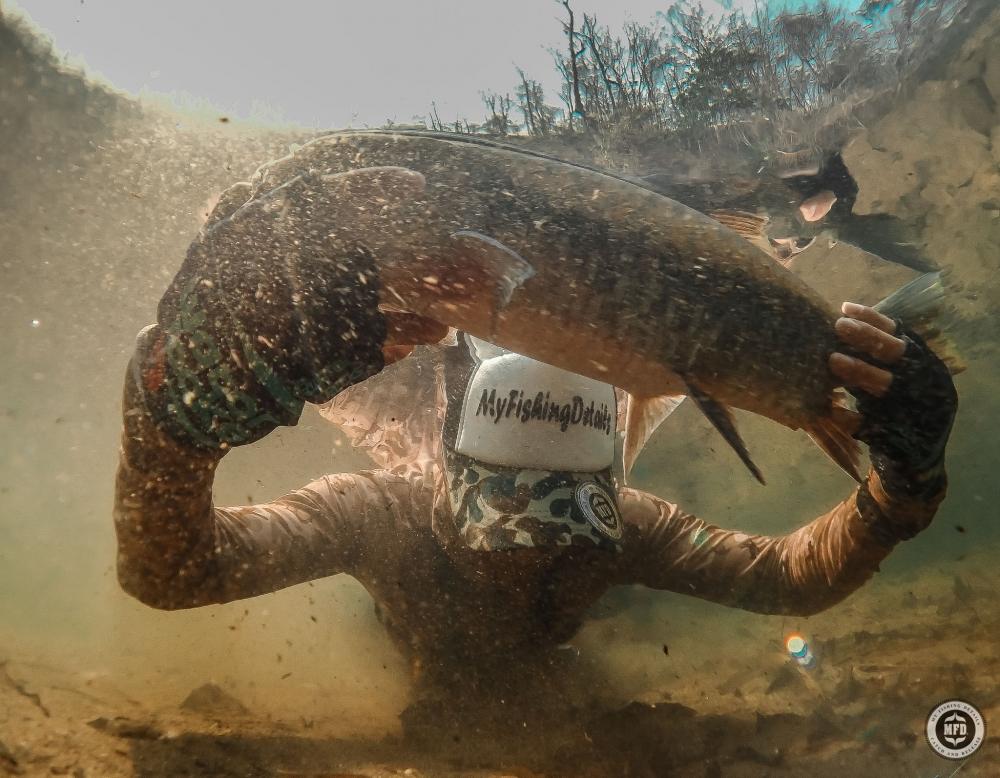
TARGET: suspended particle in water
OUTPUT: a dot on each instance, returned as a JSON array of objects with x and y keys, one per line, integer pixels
[{"x": 36, "y": 323}]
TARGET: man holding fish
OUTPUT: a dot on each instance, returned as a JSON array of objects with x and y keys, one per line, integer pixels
[{"x": 497, "y": 515}]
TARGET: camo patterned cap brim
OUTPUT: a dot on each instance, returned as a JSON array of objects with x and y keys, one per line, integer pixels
[{"x": 497, "y": 508}]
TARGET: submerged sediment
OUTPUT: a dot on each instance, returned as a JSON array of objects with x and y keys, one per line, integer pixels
[{"x": 99, "y": 196}]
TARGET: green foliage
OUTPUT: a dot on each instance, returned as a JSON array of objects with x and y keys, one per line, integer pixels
[{"x": 687, "y": 72}]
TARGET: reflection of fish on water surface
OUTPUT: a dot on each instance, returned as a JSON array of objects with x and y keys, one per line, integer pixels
[
  {"x": 793, "y": 200},
  {"x": 596, "y": 274}
]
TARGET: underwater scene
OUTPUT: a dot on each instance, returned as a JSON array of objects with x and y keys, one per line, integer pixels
[{"x": 539, "y": 388}]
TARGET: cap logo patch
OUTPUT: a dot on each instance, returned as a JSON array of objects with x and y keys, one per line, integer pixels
[{"x": 599, "y": 509}]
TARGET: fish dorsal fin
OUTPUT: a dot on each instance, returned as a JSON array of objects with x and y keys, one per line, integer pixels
[
  {"x": 753, "y": 228},
  {"x": 722, "y": 420},
  {"x": 643, "y": 416},
  {"x": 505, "y": 267},
  {"x": 750, "y": 225}
]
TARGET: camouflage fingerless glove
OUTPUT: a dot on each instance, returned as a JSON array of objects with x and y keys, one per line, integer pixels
[{"x": 241, "y": 344}]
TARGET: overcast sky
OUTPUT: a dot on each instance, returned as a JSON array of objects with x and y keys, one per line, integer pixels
[{"x": 322, "y": 64}]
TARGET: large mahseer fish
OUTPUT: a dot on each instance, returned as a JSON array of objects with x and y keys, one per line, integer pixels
[{"x": 596, "y": 274}]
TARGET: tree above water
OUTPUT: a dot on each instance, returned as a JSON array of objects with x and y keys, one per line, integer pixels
[{"x": 686, "y": 71}]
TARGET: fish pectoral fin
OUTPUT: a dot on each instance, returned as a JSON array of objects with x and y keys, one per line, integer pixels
[
  {"x": 505, "y": 267},
  {"x": 722, "y": 419},
  {"x": 834, "y": 434},
  {"x": 643, "y": 416}
]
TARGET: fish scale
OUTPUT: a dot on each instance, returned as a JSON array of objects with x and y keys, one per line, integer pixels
[{"x": 618, "y": 282}]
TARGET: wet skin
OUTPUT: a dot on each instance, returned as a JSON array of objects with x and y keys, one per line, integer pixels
[{"x": 868, "y": 331}]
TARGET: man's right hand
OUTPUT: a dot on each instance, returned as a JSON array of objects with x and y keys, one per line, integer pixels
[
  {"x": 275, "y": 305},
  {"x": 907, "y": 400}
]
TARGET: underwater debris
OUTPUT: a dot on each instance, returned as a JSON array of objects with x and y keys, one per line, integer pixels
[
  {"x": 962, "y": 591},
  {"x": 212, "y": 700},
  {"x": 8, "y": 761},
  {"x": 773, "y": 758},
  {"x": 786, "y": 676},
  {"x": 123, "y": 727},
  {"x": 848, "y": 689},
  {"x": 20, "y": 688}
]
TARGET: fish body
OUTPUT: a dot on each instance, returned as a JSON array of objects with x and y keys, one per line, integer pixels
[{"x": 594, "y": 273}]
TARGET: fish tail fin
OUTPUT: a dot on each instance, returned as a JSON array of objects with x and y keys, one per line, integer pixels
[
  {"x": 922, "y": 306},
  {"x": 834, "y": 434},
  {"x": 722, "y": 420}
]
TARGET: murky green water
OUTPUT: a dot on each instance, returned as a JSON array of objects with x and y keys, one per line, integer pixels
[{"x": 100, "y": 196}]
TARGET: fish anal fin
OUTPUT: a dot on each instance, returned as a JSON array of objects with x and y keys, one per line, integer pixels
[
  {"x": 505, "y": 268},
  {"x": 834, "y": 434},
  {"x": 722, "y": 420},
  {"x": 643, "y": 416}
]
